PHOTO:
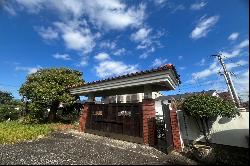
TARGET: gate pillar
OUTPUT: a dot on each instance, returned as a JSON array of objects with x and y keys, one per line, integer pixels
[
  {"x": 84, "y": 116},
  {"x": 149, "y": 123},
  {"x": 175, "y": 130}
]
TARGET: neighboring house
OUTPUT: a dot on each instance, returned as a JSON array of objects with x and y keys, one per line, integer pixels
[
  {"x": 169, "y": 98},
  {"x": 128, "y": 98},
  {"x": 162, "y": 101},
  {"x": 225, "y": 96}
]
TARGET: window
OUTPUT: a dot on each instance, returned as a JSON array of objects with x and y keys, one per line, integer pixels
[
  {"x": 112, "y": 99},
  {"x": 119, "y": 99},
  {"x": 128, "y": 99},
  {"x": 134, "y": 98}
]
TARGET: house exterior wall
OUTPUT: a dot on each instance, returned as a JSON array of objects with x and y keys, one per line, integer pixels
[
  {"x": 127, "y": 98},
  {"x": 232, "y": 132},
  {"x": 224, "y": 131}
]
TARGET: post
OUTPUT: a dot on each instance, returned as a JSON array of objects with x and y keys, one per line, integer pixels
[
  {"x": 229, "y": 82},
  {"x": 91, "y": 98},
  {"x": 85, "y": 112},
  {"x": 147, "y": 92},
  {"x": 148, "y": 112}
]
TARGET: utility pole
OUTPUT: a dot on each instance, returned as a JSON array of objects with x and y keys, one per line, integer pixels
[{"x": 229, "y": 81}]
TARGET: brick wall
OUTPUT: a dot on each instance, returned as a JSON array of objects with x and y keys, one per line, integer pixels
[
  {"x": 175, "y": 130},
  {"x": 83, "y": 117},
  {"x": 149, "y": 127}
]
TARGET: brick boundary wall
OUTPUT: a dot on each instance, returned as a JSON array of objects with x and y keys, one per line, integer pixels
[
  {"x": 175, "y": 130},
  {"x": 149, "y": 123},
  {"x": 83, "y": 117}
]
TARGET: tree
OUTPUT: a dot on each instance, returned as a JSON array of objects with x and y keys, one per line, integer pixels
[
  {"x": 5, "y": 97},
  {"x": 9, "y": 107},
  {"x": 48, "y": 87},
  {"x": 205, "y": 107}
]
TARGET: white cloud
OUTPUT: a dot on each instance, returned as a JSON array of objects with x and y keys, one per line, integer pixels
[
  {"x": 243, "y": 44},
  {"x": 83, "y": 62},
  {"x": 141, "y": 35},
  {"x": 147, "y": 41},
  {"x": 114, "y": 68},
  {"x": 202, "y": 62},
  {"x": 7, "y": 7},
  {"x": 145, "y": 54},
  {"x": 198, "y": 6},
  {"x": 32, "y": 6},
  {"x": 233, "y": 36},
  {"x": 30, "y": 70},
  {"x": 61, "y": 56},
  {"x": 47, "y": 33},
  {"x": 180, "y": 57},
  {"x": 77, "y": 41},
  {"x": 237, "y": 49},
  {"x": 76, "y": 36},
  {"x": 232, "y": 54},
  {"x": 214, "y": 69},
  {"x": 102, "y": 56},
  {"x": 75, "y": 17},
  {"x": 158, "y": 62},
  {"x": 242, "y": 85},
  {"x": 203, "y": 27},
  {"x": 178, "y": 7},
  {"x": 236, "y": 64},
  {"x": 113, "y": 14},
  {"x": 119, "y": 51},
  {"x": 160, "y": 3},
  {"x": 107, "y": 44}
]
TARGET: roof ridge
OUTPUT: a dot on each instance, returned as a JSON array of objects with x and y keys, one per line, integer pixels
[{"x": 160, "y": 68}]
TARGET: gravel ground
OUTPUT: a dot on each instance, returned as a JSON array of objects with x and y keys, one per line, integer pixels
[{"x": 72, "y": 147}]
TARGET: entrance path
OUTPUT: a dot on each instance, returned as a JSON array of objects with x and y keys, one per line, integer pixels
[{"x": 72, "y": 147}]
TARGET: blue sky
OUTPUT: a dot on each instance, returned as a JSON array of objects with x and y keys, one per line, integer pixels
[{"x": 108, "y": 38}]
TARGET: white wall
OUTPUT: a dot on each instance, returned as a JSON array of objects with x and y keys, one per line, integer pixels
[{"x": 224, "y": 131}]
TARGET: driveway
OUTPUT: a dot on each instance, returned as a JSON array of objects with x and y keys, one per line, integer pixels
[{"x": 72, "y": 147}]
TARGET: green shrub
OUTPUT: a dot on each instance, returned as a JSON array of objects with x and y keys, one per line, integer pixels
[
  {"x": 28, "y": 119},
  {"x": 8, "y": 112},
  {"x": 36, "y": 112},
  {"x": 206, "y": 106}
]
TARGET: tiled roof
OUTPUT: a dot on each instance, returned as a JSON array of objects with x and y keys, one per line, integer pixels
[
  {"x": 183, "y": 96},
  {"x": 164, "y": 67}
]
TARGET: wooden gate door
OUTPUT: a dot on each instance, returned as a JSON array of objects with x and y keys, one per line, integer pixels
[
  {"x": 164, "y": 130},
  {"x": 119, "y": 120}
]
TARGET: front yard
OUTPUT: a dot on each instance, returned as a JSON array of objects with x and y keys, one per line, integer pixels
[
  {"x": 13, "y": 131},
  {"x": 72, "y": 147}
]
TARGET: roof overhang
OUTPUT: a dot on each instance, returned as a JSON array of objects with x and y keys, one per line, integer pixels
[{"x": 158, "y": 81}]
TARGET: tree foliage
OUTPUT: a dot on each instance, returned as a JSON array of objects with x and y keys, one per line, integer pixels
[
  {"x": 48, "y": 87},
  {"x": 9, "y": 108},
  {"x": 206, "y": 106},
  {"x": 5, "y": 97}
]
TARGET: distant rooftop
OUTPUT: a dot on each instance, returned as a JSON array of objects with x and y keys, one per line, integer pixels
[{"x": 182, "y": 96}]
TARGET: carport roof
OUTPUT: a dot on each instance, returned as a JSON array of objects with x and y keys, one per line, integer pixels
[{"x": 162, "y": 78}]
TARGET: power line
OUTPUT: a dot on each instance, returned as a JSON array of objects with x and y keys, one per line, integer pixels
[{"x": 228, "y": 80}]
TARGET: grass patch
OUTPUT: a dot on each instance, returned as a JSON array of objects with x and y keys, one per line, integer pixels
[{"x": 13, "y": 131}]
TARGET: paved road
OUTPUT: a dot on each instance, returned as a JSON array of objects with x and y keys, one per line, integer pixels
[{"x": 82, "y": 148}]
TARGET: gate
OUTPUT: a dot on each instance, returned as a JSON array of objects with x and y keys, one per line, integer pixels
[
  {"x": 164, "y": 130},
  {"x": 118, "y": 120}
]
